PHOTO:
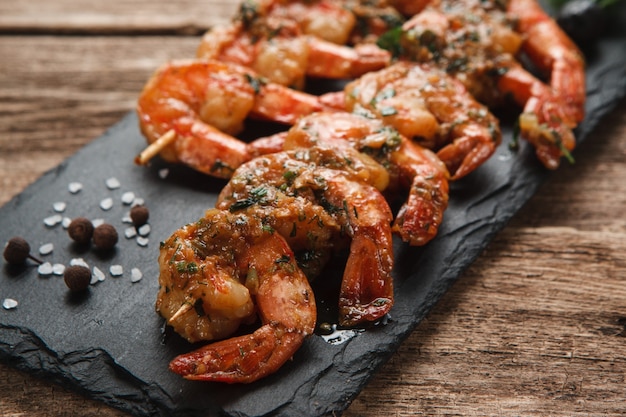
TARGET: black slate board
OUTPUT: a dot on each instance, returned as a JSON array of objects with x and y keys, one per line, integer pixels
[{"x": 108, "y": 344}]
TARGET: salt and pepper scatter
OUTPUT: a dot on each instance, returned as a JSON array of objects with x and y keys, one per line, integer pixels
[
  {"x": 128, "y": 198},
  {"x": 46, "y": 249}
]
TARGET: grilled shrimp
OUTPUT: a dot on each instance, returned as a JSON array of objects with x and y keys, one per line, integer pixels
[
  {"x": 215, "y": 274},
  {"x": 429, "y": 107},
  {"x": 189, "y": 111},
  {"x": 478, "y": 42},
  {"x": 285, "y": 41},
  {"x": 358, "y": 211},
  {"x": 410, "y": 166}
]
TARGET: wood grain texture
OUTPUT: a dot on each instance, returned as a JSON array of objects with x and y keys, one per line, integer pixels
[
  {"x": 112, "y": 16},
  {"x": 535, "y": 326}
]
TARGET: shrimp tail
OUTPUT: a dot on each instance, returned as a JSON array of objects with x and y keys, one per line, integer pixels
[
  {"x": 419, "y": 218},
  {"x": 367, "y": 287},
  {"x": 365, "y": 296},
  {"x": 242, "y": 359}
]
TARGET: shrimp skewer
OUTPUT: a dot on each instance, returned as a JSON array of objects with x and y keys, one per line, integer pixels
[
  {"x": 217, "y": 265},
  {"x": 359, "y": 212},
  {"x": 409, "y": 165},
  {"x": 201, "y": 104}
]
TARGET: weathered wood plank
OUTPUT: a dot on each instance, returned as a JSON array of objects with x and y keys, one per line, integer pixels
[
  {"x": 113, "y": 17},
  {"x": 67, "y": 94}
]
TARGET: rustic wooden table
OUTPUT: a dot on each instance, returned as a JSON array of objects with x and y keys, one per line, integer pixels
[{"x": 535, "y": 326}]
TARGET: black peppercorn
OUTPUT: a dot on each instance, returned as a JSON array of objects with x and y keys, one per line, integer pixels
[
  {"x": 80, "y": 230},
  {"x": 77, "y": 277},
  {"x": 105, "y": 236},
  {"x": 139, "y": 215},
  {"x": 17, "y": 251}
]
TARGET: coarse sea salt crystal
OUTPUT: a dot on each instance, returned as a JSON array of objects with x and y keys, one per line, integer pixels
[
  {"x": 66, "y": 222},
  {"x": 46, "y": 249},
  {"x": 144, "y": 230},
  {"x": 106, "y": 204},
  {"x": 130, "y": 232},
  {"x": 9, "y": 303},
  {"x": 58, "y": 269},
  {"x": 79, "y": 261},
  {"x": 97, "y": 222},
  {"x": 53, "y": 220},
  {"x": 128, "y": 198},
  {"x": 75, "y": 187},
  {"x": 142, "y": 241},
  {"x": 45, "y": 269},
  {"x": 116, "y": 270},
  {"x": 135, "y": 275},
  {"x": 112, "y": 183},
  {"x": 97, "y": 275},
  {"x": 59, "y": 206},
  {"x": 163, "y": 173}
]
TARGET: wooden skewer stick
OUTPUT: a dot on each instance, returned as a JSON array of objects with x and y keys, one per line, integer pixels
[
  {"x": 182, "y": 310},
  {"x": 155, "y": 147}
]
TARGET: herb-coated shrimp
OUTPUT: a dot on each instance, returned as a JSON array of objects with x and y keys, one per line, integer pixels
[
  {"x": 285, "y": 41},
  {"x": 359, "y": 211},
  {"x": 549, "y": 113},
  {"x": 410, "y": 166},
  {"x": 211, "y": 271},
  {"x": 188, "y": 111},
  {"x": 478, "y": 42},
  {"x": 426, "y": 105}
]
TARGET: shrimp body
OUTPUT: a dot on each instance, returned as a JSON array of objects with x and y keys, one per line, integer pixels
[
  {"x": 211, "y": 271},
  {"x": 201, "y": 104},
  {"x": 431, "y": 108},
  {"x": 357, "y": 211}
]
